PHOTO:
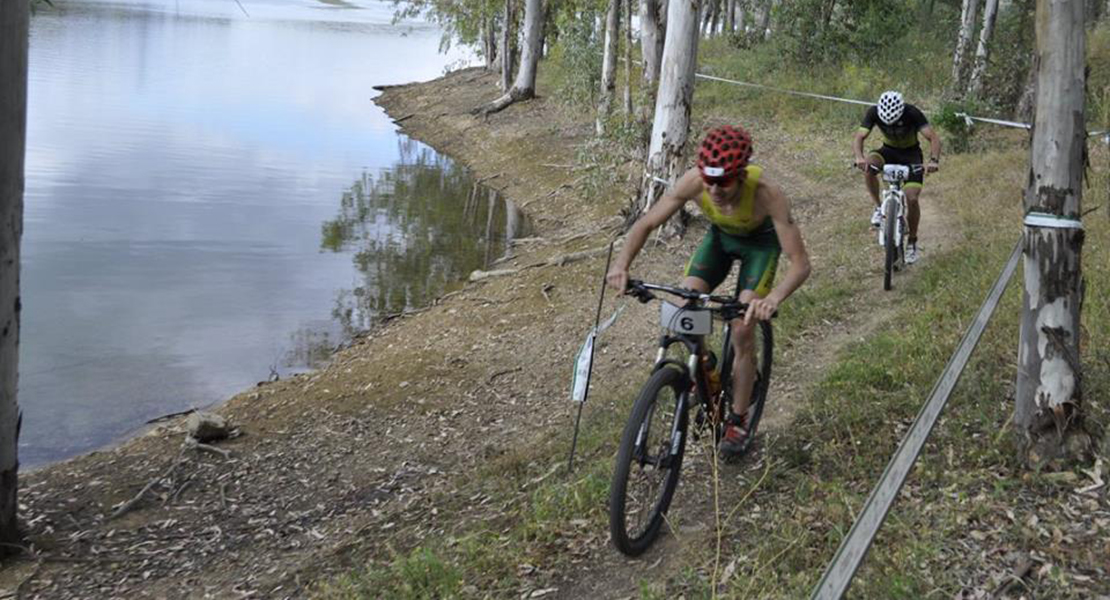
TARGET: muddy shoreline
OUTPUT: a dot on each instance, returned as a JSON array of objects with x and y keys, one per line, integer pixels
[{"x": 332, "y": 460}]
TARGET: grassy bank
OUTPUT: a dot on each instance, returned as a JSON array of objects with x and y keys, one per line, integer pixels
[{"x": 971, "y": 520}]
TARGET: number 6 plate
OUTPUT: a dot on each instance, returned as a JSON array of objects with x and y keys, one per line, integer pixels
[{"x": 686, "y": 321}]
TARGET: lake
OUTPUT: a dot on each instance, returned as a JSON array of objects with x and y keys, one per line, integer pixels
[{"x": 213, "y": 199}]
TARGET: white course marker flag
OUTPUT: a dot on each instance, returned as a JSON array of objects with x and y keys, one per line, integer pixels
[{"x": 580, "y": 380}]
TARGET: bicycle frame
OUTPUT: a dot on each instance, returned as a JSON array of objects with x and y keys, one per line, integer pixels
[{"x": 895, "y": 177}]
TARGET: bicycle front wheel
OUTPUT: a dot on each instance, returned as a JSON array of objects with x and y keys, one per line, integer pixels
[
  {"x": 764, "y": 354},
  {"x": 648, "y": 462},
  {"x": 890, "y": 224}
]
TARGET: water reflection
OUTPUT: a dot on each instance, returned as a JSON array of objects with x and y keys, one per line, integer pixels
[{"x": 415, "y": 230}]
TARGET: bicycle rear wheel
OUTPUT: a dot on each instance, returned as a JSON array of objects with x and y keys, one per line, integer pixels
[
  {"x": 764, "y": 354},
  {"x": 890, "y": 224},
  {"x": 648, "y": 462}
]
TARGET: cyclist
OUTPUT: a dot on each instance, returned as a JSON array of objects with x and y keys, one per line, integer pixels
[
  {"x": 899, "y": 122},
  {"x": 750, "y": 220}
]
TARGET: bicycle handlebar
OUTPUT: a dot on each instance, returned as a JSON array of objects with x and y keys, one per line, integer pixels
[{"x": 730, "y": 307}]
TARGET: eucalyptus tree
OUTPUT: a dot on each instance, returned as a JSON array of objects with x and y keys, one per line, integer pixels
[
  {"x": 672, "y": 105},
  {"x": 524, "y": 86},
  {"x": 627, "y": 59},
  {"x": 609, "y": 64},
  {"x": 473, "y": 23},
  {"x": 963, "y": 41},
  {"x": 14, "y": 17},
  {"x": 505, "y": 50},
  {"x": 652, "y": 34},
  {"x": 1048, "y": 394},
  {"x": 982, "y": 52}
]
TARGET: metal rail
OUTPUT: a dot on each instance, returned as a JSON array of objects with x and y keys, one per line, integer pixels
[{"x": 838, "y": 575}]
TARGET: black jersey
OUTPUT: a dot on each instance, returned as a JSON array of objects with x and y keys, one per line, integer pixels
[{"x": 903, "y": 132}]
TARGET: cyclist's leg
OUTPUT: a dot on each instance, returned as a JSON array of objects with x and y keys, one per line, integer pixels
[
  {"x": 875, "y": 159},
  {"x": 913, "y": 185},
  {"x": 913, "y": 209},
  {"x": 757, "y": 274}
]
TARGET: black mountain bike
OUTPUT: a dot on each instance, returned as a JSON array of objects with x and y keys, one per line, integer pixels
[{"x": 684, "y": 377}]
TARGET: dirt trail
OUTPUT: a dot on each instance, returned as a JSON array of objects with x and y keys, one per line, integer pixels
[{"x": 376, "y": 450}]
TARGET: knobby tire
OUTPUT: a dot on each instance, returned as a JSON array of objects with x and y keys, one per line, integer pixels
[
  {"x": 890, "y": 224},
  {"x": 649, "y": 413}
]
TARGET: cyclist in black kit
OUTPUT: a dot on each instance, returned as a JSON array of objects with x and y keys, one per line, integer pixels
[{"x": 900, "y": 123}]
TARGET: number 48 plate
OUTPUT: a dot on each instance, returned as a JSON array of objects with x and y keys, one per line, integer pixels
[{"x": 686, "y": 321}]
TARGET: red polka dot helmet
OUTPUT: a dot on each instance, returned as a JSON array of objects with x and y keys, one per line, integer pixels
[{"x": 724, "y": 153}]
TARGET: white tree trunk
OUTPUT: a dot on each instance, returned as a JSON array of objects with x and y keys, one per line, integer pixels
[
  {"x": 505, "y": 52},
  {"x": 628, "y": 58},
  {"x": 524, "y": 87},
  {"x": 1047, "y": 393},
  {"x": 765, "y": 20},
  {"x": 651, "y": 48},
  {"x": 13, "y": 136},
  {"x": 982, "y": 53},
  {"x": 672, "y": 107},
  {"x": 963, "y": 42},
  {"x": 742, "y": 16},
  {"x": 609, "y": 64}
]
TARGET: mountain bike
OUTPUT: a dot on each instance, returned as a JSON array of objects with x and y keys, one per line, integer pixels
[
  {"x": 893, "y": 229},
  {"x": 685, "y": 376}
]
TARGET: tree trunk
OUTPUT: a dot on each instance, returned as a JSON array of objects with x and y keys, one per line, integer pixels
[
  {"x": 609, "y": 64},
  {"x": 505, "y": 52},
  {"x": 1048, "y": 392},
  {"x": 963, "y": 42},
  {"x": 489, "y": 43},
  {"x": 765, "y": 20},
  {"x": 672, "y": 108},
  {"x": 651, "y": 48},
  {"x": 741, "y": 24},
  {"x": 714, "y": 17},
  {"x": 628, "y": 59},
  {"x": 730, "y": 17},
  {"x": 524, "y": 87},
  {"x": 982, "y": 53},
  {"x": 13, "y": 137}
]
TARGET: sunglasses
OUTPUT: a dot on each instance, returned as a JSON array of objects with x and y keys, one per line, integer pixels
[{"x": 718, "y": 181}]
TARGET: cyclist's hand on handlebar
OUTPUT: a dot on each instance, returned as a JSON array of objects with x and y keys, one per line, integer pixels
[
  {"x": 861, "y": 164},
  {"x": 932, "y": 167},
  {"x": 760, "y": 309},
  {"x": 617, "y": 278}
]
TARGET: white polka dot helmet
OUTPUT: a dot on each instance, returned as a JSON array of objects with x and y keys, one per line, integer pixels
[{"x": 891, "y": 107}]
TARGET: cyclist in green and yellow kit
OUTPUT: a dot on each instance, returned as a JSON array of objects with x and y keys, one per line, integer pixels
[
  {"x": 899, "y": 122},
  {"x": 750, "y": 221}
]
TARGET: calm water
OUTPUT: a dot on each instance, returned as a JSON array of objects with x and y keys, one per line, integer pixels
[{"x": 213, "y": 197}]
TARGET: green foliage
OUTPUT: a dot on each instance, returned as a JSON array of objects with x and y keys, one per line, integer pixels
[
  {"x": 950, "y": 120},
  {"x": 1011, "y": 57},
  {"x": 576, "y": 58},
  {"x": 855, "y": 29},
  {"x": 419, "y": 575}
]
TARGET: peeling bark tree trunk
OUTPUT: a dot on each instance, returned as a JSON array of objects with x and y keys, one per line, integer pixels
[
  {"x": 672, "y": 108},
  {"x": 1048, "y": 392},
  {"x": 505, "y": 52},
  {"x": 765, "y": 20},
  {"x": 982, "y": 53},
  {"x": 651, "y": 48},
  {"x": 730, "y": 17},
  {"x": 963, "y": 42},
  {"x": 13, "y": 136},
  {"x": 489, "y": 43},
  {"x": 741, "y": 24},
  {"x": 628, "y": 59},
  {"x": 609, "y": 64},
  {"x": 524, "y": 87}
]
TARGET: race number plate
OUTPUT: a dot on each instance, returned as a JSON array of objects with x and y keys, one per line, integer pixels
[{"x": 686, "y": 321}]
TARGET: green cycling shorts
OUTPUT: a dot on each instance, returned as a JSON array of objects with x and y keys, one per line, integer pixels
[{"x": 758, "y": 255}]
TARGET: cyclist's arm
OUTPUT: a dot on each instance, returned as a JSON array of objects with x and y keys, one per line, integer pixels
[
  {"x": 688, "y": 186},
  {"x": 857, "y": 145},
  {"x": 934, "y": 146},
  {"x": 790, "y": 238}
]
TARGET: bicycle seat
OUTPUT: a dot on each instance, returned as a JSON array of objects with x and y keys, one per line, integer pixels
[{"x": 895, "y": 172}]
